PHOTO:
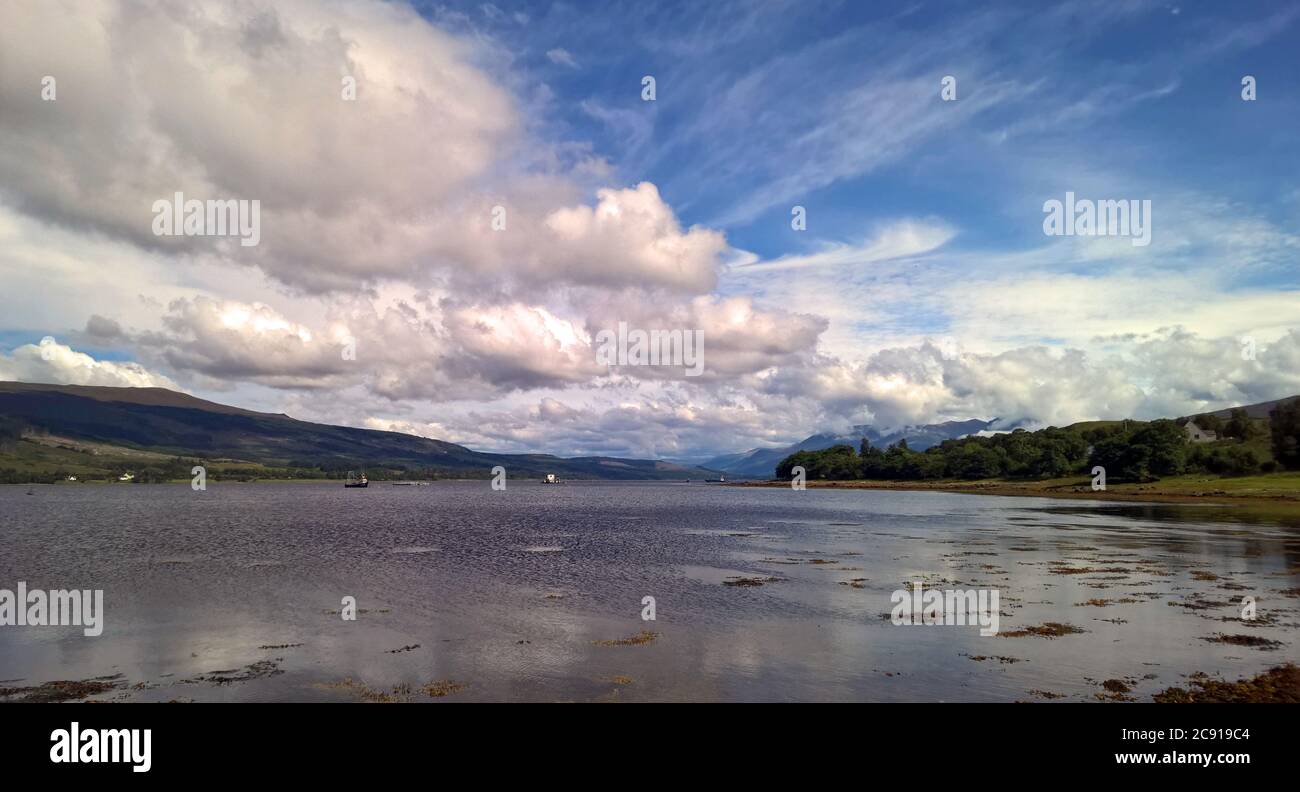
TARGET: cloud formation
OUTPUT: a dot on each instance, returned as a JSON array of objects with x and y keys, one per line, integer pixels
[
  {"x": 59, "y": 364},
  {"x": 475, "y": 217},
  {"x": 403, "y": 182}
]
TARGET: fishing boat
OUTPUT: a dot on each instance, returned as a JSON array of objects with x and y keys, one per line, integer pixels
[{"x": 356, "y": 482}]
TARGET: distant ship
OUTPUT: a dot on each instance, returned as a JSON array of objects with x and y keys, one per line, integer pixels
[
  {"x": 718, "y": 480},
  {"x": 550, "y": 479},
  {"x": 353, "y": 481}
]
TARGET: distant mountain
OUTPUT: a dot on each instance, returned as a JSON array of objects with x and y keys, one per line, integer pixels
[
  {"x": 762, "y": 462},
  {"x": 164, "y": 421}
]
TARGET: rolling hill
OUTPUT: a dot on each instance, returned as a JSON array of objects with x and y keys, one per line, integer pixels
[
  {"x": 1260, "y": 410},
  {"x": 175, "y": 424}
]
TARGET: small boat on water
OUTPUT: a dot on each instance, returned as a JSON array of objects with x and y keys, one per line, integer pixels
[{"x": 355, "y": 482}]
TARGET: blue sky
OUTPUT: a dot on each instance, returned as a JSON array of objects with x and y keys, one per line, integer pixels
[
  {"x": 924, "y": 216},
  {"x": 751, "y": 94}
]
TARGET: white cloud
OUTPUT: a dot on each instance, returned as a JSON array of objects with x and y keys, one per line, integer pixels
[
  {"x": 415, "y": 347},
  {"x": 399, "y": 184},
  {"x": 59, "y": 364},
  {"x": 1008, "y": 310},
  {"x": 226, "y": 117},
  {"x": 226, "y": 341},
  {"x": 1166, "y": 374},
  {"x": 902, "y": 239},
  {"x": 631, "y": 237}
]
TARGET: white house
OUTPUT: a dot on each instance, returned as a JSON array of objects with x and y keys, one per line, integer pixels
[{"x": 1198, "y": 435}]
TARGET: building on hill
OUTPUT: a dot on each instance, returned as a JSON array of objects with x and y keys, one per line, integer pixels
[{"x": 1198, "y": 435}]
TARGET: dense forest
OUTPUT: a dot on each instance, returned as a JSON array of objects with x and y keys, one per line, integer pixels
[{"x": 1128, "y": 450}]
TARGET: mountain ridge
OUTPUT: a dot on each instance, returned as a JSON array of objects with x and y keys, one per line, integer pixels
[{"x": 166, "y": 421}]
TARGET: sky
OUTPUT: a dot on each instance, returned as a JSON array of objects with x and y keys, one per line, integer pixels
[{"x": 845, "y": 200}]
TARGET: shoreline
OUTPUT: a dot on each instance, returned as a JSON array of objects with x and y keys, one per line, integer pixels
[
  {"x": 1072, "y": 489},
  {"x": 1182, "y": 490}
]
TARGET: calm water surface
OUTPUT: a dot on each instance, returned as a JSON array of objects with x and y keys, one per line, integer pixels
[{"x": 233, "y": 593}]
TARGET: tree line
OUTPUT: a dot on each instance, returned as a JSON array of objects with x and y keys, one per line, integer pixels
[{"x": 1128, "y": 450}]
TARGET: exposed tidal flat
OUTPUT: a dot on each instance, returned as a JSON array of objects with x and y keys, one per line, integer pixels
[{"x": 537, "y": 593}]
